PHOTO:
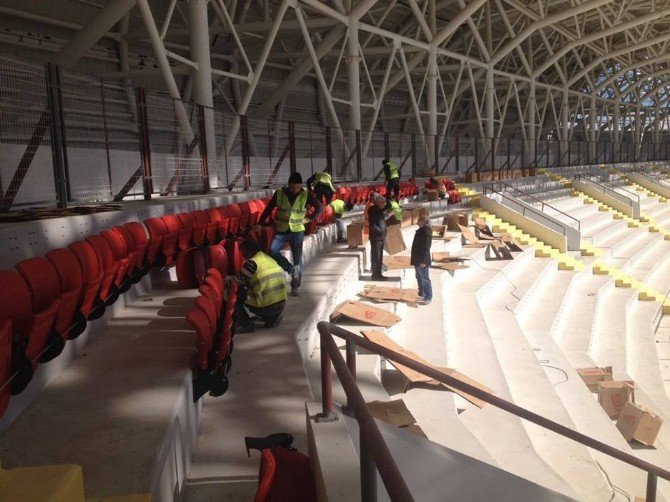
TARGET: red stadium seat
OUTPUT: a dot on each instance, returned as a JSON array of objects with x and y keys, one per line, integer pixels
[
  {"x": 134, "y": 249},
  {"x": 218, "y": 259},
  {"x": 31, "y": 329},
  {"x": 214, "y": 232},
  {"x": 235, "y": 258},
  {"x": 233, "y": 220},
  {"x": 70, "y": 278},
  {"x": 5, "y": 363},
  {"x": 157, "y": 233},
  {"x": 92, "y": 275},
  {"x": 200, "y": 323},
  {"x": 185, "y": 268},
  {"x": 111, "y": 278},
  {"x": 126, "y": 259},
  {"x": 208, "y": 305},
  {"x": 186, "y": 238},
  {"x": 45, "y": 287},
  {"x": 200, "y": 227},
  {"x": 139, "y": 237},
  {"x": 174, "y": 233}
]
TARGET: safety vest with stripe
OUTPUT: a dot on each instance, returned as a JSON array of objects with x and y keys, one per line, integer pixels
[
  {"x": 267, "y": 286},
  {"x": 338, "y": 206},
  {"x": 324, "y": 178},
  {"x": 291, "y": 217},
  {"x": 397, "y": 210},
  {"x": 394, "y": 172}
]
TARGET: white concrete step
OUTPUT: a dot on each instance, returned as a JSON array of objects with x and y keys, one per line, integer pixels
[
  {"x": 531, "y": 388},
  {"x": 472, "y": 351}
]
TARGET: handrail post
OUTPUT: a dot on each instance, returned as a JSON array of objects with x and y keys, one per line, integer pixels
[
  {"x": 652, "y": 480},
  {"x": 368, "y": 470},
  {"x": 327, "y": 414}
]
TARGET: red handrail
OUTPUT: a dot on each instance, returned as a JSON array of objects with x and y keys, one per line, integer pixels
[{"x": 386, "y": 465}]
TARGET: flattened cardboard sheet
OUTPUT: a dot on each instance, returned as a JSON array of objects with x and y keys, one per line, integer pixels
[
  {"x": 445, "y": 257},
  {"x": 392, "y": 412},
  {"x": 415, "y": 429},
  {"x": 382, "y": 293},
  {"x": 416, "y": 377},
  {"x": 396, "y": 262},
  {"x": 365, "y": 313}
]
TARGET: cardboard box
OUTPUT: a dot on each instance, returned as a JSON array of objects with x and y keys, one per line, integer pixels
[
  {"x": 397, "y": 262},
  {"x": 612, "y": 396},
  {"x": 438, "y": 231},
  {"x": 357, "y": 234},
  {"x": 394, "y": 243},
  {"x": 636, "y": 422},
  {"x": 592, "y": 376},
  {"x": 407, "y": 218},
  {"x": 432, "y": 195},
  {"x": 452, "y": 220}
]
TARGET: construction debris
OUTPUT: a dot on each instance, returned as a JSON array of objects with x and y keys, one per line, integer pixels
[
  {"x": 416, "y": 377},
  {"x": 381, "y": 293}
]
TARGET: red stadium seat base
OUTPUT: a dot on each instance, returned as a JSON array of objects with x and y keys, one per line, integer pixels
[{"x": 54, "y": 346}]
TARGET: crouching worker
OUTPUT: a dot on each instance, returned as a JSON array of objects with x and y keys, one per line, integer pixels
[
  {"x": 339, "y": 208},
  {"x": 262, "y": 289}
]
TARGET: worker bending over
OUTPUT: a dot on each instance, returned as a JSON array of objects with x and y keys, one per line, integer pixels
[
  {"x": 392, "y": 174},
  {"x": 262, "y": 289},
  {"x": 321, "y": 183},
  {"x": 339, "y": 208},
  {"x": 291, "y": 202}
]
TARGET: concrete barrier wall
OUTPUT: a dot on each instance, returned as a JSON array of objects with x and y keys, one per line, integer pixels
[
  {"x": 631, "y": 209},
  {"x": 534, "y": 228},
  {"x": 649, "y": 184}
]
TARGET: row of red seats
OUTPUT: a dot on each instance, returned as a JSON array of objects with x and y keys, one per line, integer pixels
[
  {"x": 212, "y": 319},
  {"x": 49, "y": 299},
  {"x": 360, "y": 194}
]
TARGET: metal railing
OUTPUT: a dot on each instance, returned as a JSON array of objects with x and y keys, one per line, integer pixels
[
  {"x": 505, "y": 187},
  {"x": 525, "y": 209},
  {"x": 600, "y": 184},
  {"x": 374, "y": 451}
]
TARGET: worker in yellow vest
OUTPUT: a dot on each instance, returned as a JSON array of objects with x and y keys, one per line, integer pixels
[
  {"x": 321, "y": 183},
  {"x": 392, "y": 174},
  {"x": 339, "y": 208},
  {"x": 292, "y": 203},
  {"x": 396, "y": 217},
  {"x": 262, "y": 289}
]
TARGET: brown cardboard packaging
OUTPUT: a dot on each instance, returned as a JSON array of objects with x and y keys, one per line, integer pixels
[
  {"x": 365, "y": 313},
  {"x": 394, "y": 243},
  {"x": 357, "y": 234},
  {"x": 452, "y": 220},
  {"x": 612, "y": 396},
  {"x": 397, "y": 262},
  {"x": 438, "y": 231},
  {"x": 407, "y": 218},
  {"x": 592, "y": 376},
  {"x": 636, "y": 422},
  {"x": 431, "y": 195},
  {"x": 392, "y": 412}
]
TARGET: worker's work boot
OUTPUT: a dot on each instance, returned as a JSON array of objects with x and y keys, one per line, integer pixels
[{"x": 295, "y": 277}]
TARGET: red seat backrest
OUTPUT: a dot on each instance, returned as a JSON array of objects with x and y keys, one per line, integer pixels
[
  {"x": 138, "y": 231},
  {"x": 172, "y": 223},
  {"x": 15, "y": 301},
  {"x": 214, "y": 214},
  {"x": 89, "y": 261},
  {"x": 187, "y": 220},
  {"x": 127, "y": 237},
  {"x": 67, "y": 267},
  {"x": 42, "y": 280},
  {"x": 103, "y": 249},
  {"x": 200, "y": 323},
  {"x": 200, "y": 217},
  {"x": 208, "y": 306},
  {"x": 116, "y": 242},
  {"x": 156, "y": 227}
]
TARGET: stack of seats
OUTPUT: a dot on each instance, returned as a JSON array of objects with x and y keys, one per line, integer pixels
[{"x": 212, "y": 319}]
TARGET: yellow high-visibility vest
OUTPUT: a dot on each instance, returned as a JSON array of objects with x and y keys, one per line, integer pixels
[
  {"x": 267, "y": 286},
  {"x": 325, "y": 178},
  {"x": 338, "y": 206},
  {"x": 291, "y": 217},
  {"x": 394, "y": 172}
]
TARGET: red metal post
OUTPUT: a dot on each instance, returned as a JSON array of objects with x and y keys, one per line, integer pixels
[{"x": 246, "y": 165}]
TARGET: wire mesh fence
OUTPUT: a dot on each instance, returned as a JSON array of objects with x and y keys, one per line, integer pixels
[
  {"x": 26, "y": 170},
  {"x": 112, "y": 139}
]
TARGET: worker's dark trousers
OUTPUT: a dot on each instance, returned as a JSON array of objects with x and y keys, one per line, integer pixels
[
  {"x": 322, "y": 190},
  {"x": 392, "y": 188},
  {"x": 376, "y": 257},
  {"x": 269, "y": 313}
]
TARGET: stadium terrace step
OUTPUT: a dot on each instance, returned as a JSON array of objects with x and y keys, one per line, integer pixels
[{"x": 472, "y": 351}]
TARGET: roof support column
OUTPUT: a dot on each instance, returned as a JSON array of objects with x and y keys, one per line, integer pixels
[
  {"x": 166, "y": 72},
  {"x": 638, "y": 131},
  {"x": 532, "y": 107},
  {"x": 432, "y": 106},
  {"x": 565, "y": 125},
  {"x": 202, "y": 77},
  {"x": 489, "y": 106},
  {"x": 353, "y": 67},
  {"x": 592, "y": 129}
]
